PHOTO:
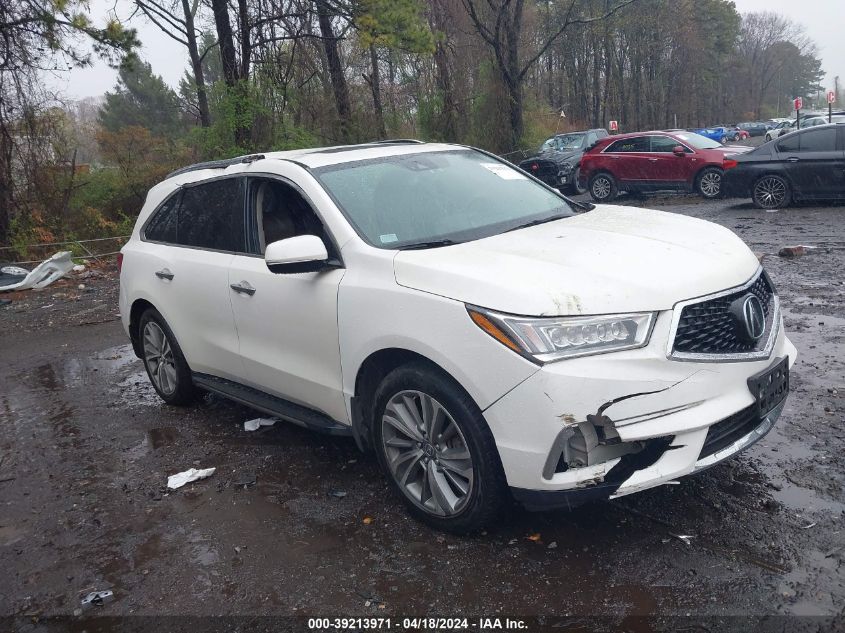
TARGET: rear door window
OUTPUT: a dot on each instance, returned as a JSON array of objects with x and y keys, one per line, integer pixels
[
  {"x": 634, "y": 144},
  {"x": 818, "y": 140},
  {"x": 211, "y": 216},
  {"x": 822, "y": 140}
]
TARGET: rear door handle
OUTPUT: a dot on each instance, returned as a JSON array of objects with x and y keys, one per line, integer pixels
[
  {"x": 653, "y": 160},
  {"x": 164, "y": 273},
  {"x": 243, "y": 288},
  {"x": 792, "y": 159}
]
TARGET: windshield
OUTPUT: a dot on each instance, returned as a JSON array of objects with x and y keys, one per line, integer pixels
[
  {"x": 564, "y": 142},
  {"x": 697, "y": 141},
  {"x": 461, "y": 195}
]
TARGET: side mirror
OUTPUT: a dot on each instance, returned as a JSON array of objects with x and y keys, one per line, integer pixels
[
  {"x": 300, "y": 254},
  {"x": 678, "y": 150}
]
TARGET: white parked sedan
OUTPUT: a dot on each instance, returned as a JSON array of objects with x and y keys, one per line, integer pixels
[{"x": 471, "y": 326}]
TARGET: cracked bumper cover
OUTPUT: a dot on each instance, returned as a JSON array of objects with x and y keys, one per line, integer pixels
[{"x": 679, "y": 401}]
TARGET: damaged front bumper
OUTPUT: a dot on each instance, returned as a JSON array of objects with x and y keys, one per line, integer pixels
[{"x": 606, "y": 426}]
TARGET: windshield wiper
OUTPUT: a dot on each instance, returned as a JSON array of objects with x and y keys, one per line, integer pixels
[
  {"x": 430, "y": 244},
  {"x": 550, "y": 218}
]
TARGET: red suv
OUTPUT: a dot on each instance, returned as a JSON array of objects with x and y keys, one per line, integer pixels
[{"x": 652, "y": 161}]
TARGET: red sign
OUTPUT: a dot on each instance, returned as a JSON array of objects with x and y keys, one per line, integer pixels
[
  {"x": 831, "y": 96},
  {"x": 614, "y": 126},
  {"x": 798, "y": 102}
]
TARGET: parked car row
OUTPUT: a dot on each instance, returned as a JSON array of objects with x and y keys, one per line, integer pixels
[
  {"x": 806, "y": 164},
  {"x": 643, "y": 161}
]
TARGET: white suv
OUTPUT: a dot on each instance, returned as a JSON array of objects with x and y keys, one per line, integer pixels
[{"x": 481, "y": 333}]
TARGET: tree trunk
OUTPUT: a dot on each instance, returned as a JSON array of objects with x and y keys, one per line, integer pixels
[
  {"x": 231, "y": 72},
  {"x": 375, "y": 85},
  {"x": 339, "y": 86},
  {"x": 449, "y": 125},
  {"x": 196, "y": 64}
]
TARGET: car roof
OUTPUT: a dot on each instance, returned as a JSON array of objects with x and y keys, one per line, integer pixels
[{"x": 316, "y": 157}]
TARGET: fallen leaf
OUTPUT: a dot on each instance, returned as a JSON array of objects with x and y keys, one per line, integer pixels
[
  {"x": 534, "y": 537},
  {"x": 368, "y": 520}
]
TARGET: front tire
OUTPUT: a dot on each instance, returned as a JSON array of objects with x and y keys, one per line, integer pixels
[
  {"x": 435, "y": 448},
  {"x": 163, "y": 359},
  {"x": 577, "y": 189},
  {"x": 771, "y": 192},
  {"x": 709, "y": 183},
  {"x": 603, "y": 187}
]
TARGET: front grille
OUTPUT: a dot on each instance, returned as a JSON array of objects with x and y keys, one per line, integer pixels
[
  {"x": 707, "y": 327},
  {"x": 729, "y": 430},
  {"x": 546, "y": 170}
]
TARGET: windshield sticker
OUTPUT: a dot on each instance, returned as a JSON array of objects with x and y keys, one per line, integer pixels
[
  {"x": 503, "y": 171},
  {"x": 387, "y": 239}
]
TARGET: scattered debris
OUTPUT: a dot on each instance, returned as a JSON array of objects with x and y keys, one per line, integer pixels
[
  {"x": 79, "y": 268},
  {"x": 340, "y": 494},
  {"x": 794, "y": 251},
  {"x": 807, "y": 527},
  {"x": 97, "y": 598},
  {"x": 534, "y": 537},
  {"x": 553, "y": 545},
  {"x": 368, "y": 520},
  {"x": 252, "y": 425},
  {"x": 246, "y": 479},
  {"x": 48, "y": 271},
  {"x": 686, "y": 538},
  {"x": 180, "y": 479}
]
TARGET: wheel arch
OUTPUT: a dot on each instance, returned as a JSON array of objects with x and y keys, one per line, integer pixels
[
  {"x": 371, "y": 372},
  {"x": 139, "y": 306}
]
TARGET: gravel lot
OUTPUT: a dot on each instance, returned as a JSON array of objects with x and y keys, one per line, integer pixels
[{"x": 86, "y": 447}]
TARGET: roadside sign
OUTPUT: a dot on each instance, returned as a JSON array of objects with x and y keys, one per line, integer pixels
[
  {"x": 614, "y": 126},
  {"x": 831, "y": 96},
  {"x": 798, "y": 102}
]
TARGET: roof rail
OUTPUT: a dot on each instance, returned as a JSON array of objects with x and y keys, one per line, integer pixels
[
  {"x": 216, "y": 164},
  {"x": 396, "y": 141}
]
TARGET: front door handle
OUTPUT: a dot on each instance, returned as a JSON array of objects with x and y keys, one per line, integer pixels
[
  {"x": 792, "y": 159},
  {"x": 243, "y": 288},
  {"x": 165, "y": 273},
  {"x": 653, "y": 160}
]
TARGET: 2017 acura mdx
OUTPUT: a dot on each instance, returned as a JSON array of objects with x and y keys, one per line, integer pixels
[{"x": 459, "y": 318}]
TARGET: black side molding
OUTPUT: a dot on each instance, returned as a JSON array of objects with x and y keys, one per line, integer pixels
[{"x": 272, "y": 405}]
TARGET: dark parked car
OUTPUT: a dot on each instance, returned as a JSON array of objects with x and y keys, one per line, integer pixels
[
  {"x": 808, "y": 164},
  {"x": 653, "y": 161},
  {"x": 556, "y": 162},
  {"x": 754, "y": 128}
]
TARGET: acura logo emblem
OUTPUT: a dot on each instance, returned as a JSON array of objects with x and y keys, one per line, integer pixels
[{"x": 750, "y": 318}]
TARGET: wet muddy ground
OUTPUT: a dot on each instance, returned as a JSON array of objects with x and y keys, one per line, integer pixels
[{"x": 86, "y": 447}]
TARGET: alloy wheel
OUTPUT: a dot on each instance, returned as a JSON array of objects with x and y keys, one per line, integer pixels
[
  {"x": 427, "y": 453},
  {"x": 770, "y": 192},
  {"x": 711, "y": 184},
  {"x": 601, "y": 187},
  {"x": 158, "y": 356}
]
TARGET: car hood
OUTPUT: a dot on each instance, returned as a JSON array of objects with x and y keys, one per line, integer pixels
[
  {"x": 610, "y": 260},
  {"x": 557, "y": 157}
]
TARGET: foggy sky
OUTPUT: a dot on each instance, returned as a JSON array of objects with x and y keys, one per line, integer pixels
[{"x": 822, "y": 19}]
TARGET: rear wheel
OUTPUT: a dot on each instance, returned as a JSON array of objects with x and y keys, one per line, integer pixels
[
  {"x": 163, "y": 359},
  {"x": 771, "y": 192},
  {"x": 603, "y": 187},
  {"x": 736, "y": 136},
  {"x": 436, "y": 449},
  {"x": 709, "y": 182}
]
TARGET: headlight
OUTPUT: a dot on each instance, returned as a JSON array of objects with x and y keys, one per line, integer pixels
[{"x": 550, "y": 339}]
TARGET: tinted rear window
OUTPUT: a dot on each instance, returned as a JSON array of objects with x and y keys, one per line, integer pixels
[
  {"x": 212, "y": 216},
  {"x": 162, "y": 227}
]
